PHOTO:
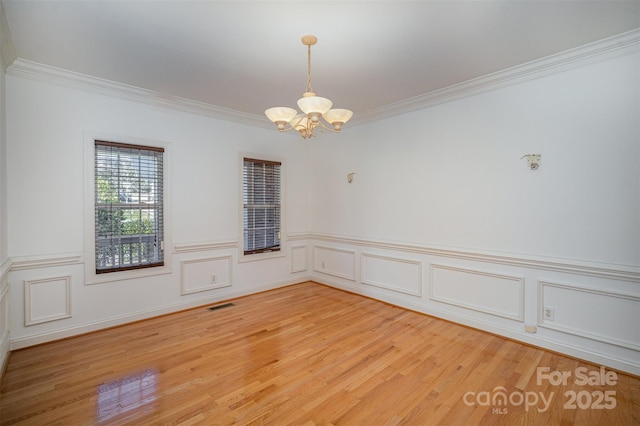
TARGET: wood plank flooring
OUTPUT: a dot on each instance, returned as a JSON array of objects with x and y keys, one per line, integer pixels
[{"x": 305, "y": 355}]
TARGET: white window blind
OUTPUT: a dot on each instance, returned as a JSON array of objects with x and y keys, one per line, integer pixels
[
  {"x": 128, "y": 207},
  {"x": 261, "y": 205}
]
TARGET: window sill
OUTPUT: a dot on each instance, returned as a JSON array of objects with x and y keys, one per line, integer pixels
[
  {"x": 260, "y": 256},
  {"x": 94, "y": 278}
]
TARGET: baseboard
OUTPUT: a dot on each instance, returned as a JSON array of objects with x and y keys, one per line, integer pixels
[{"x": 230, "y": 293}]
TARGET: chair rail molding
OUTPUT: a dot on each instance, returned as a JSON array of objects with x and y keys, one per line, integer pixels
[
  {"x": 5, "y": 267},
  {"x": 204, "y": 246},
  {"x": 46, "y": 261}
]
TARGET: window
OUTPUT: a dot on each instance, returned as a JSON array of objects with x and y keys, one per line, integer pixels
[
  {"x": 129, "y": 230},
  {"x": 261, "y": 215}
]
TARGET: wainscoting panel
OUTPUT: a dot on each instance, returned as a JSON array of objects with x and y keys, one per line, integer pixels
[
  {"x": 5, "y": 307},
  {"x": 204, "y": 274},
  {"x": 298, "y": 259},
  {"x": 337, "y": 262},
  {"x": 402, "y": 275},
  {"x": 494, "y": 294},
  {"x": 581, "y": 311},
  {"x": 47, "y": 299},
  {"x": 5, "y": 319}
]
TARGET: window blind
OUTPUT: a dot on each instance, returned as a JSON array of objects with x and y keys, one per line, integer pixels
[
  {"x": 129, "y": 218},
  {"x": 261, "y": 205}
]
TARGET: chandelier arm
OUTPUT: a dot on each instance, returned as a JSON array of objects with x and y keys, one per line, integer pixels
[
  {"x": 324, "y": 127},
  {"x": 308, "y": 128}
]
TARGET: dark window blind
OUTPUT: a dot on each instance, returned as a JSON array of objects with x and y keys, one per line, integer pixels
[
  {"x": 128, "y": 207},
  {"x": 261, "y": 205}
]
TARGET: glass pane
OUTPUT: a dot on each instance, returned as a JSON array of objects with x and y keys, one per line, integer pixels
[
  {"x": 129, "y": 217},
  {"x": 261, "y": 198}
]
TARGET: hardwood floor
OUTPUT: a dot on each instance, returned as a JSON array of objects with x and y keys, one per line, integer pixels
[{"x": 305, "y": 355}]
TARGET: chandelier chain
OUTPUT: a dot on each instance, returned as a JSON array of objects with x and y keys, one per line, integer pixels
[{"x": 309, "y": 69}]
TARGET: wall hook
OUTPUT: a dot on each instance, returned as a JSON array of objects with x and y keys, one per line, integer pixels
[{"x": 350, "y": 177}]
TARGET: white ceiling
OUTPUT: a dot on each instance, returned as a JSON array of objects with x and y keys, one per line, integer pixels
[{"x": 247, "y": 55}]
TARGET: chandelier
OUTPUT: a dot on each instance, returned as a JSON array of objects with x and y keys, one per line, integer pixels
[{"x": 313, "y": 108}]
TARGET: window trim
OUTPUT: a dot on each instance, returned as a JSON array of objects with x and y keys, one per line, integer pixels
[
  {"x": 263, "y": 255},
  {"x": 91, "y": 277}
]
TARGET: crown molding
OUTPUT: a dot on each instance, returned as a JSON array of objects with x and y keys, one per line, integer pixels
[
  {"x": 40, "y": 72},
  {"x": 625, "y": 43},
  {"x": 7, "y": 49},
  {"x": 621, "y": 44}
]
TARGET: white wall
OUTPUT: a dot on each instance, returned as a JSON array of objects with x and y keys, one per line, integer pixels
[
  {"x": 442, "y": 197},
  {"x": 3, "y": 141},
  {"x": 49, "y": 130},
  {"x": 452, "y": 175}
]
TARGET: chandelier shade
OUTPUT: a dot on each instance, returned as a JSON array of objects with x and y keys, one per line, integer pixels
[
  {"x": 337, "y": 117},
  {"x": 314, "y": 108},
  {"x": 313, "y": 104},
  {"x": 281, "y": 115}
]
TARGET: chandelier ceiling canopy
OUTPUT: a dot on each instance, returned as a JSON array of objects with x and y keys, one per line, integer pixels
[{"x": 314, "y": 108}]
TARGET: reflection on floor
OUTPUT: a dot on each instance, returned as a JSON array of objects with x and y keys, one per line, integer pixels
[{"x": 129, "y": 393}]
